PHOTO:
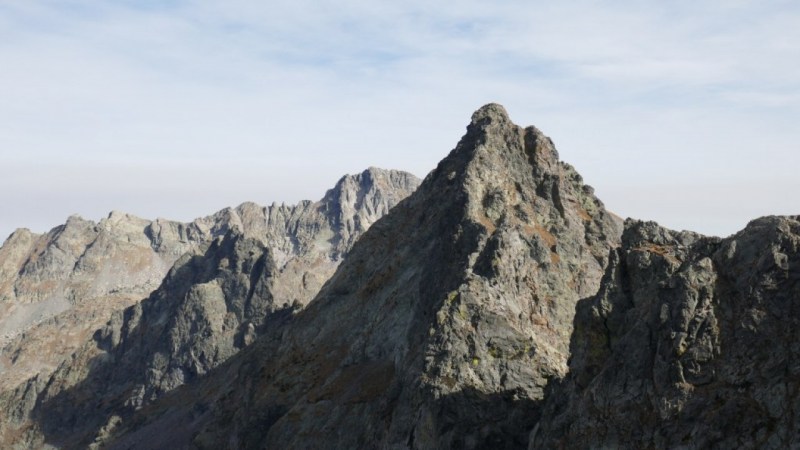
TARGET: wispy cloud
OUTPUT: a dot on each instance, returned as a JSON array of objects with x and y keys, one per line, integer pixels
[{"x": 644, "y": 91}]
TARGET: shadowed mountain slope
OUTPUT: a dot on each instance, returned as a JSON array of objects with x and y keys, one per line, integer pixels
[{"x": 440, "y": 329}]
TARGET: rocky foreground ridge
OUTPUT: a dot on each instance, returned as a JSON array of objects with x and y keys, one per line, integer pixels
[
  {"x": 692, "y": 342},
  {"x": 498, "y": 306}
]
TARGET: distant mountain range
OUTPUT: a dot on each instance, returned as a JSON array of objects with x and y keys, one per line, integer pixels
[
  {"x": 57, "y": 289},
  {"x": 497, "y": 304}
]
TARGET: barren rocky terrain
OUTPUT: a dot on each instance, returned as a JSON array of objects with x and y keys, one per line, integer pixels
[
  {"x": 499, "y": 305},
  {"x": 60, "y": 287}
]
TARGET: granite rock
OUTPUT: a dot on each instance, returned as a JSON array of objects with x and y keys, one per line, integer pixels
[{"x": 691, "y": 342}]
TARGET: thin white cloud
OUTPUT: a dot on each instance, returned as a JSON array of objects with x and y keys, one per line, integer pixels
[{"x": 649, "y": 92}]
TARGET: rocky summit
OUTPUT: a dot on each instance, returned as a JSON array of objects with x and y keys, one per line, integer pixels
[
  {"x": 498, "y": 306},
  {"x": 441, "y": 329}
]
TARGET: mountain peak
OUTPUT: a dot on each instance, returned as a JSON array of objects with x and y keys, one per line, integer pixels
[
  {"x": 463, "y": 292},
  {"x": 493, "y": 142},
  {"x": 360, "y": 199},
  {"x": 492, "y": 113}
]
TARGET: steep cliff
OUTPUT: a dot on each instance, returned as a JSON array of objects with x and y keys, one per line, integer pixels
[
  {"x": 440, "y": 329},
  {"x": 691, "y": 342}
]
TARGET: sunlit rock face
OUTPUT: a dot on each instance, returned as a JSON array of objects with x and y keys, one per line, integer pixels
[{"x": 57, "y": 289}]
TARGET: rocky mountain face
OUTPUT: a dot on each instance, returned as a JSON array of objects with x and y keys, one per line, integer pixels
[
  {"x": 498, "y": 306},
  {"x": 440, "y": 329},
  {"x": 57, "y": 289},
  {"x": 691, "y": 342}
]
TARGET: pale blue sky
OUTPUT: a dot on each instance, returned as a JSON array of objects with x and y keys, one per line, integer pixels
[{"x": 681, "y": 112}]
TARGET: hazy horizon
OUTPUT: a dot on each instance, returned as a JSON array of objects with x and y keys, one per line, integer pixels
[{"x": 684, "y": 113}]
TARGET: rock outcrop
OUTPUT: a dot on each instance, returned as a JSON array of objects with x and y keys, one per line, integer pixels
[
  {"x": 691, "y": 342},
  {"x": 440, "y": 329},
  {"x": 231, "y": 270}
]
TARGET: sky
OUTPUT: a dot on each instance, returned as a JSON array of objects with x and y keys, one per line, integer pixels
[{"x": 682, "y": 112}]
